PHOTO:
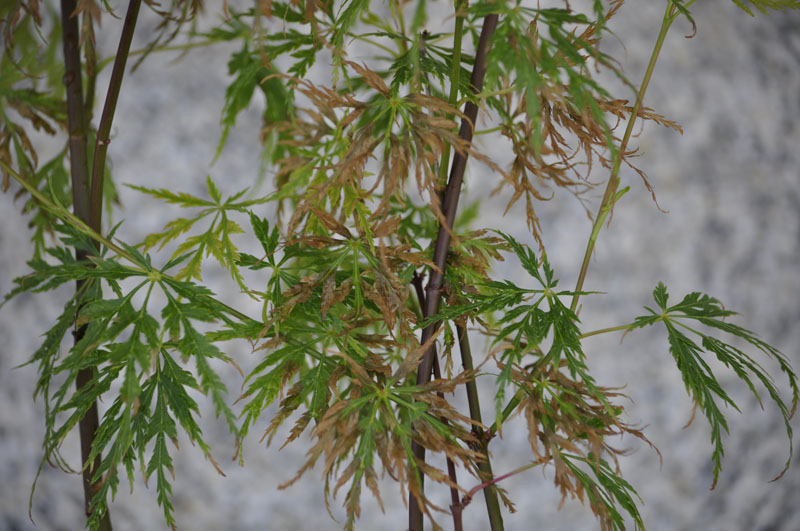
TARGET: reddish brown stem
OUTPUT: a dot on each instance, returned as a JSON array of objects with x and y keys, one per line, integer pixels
[
  {"x": 110, "y": 106},
  {"x": 79, "y": 172},
  {"x": 451, "y": 466},
  {"x": 488, "y": 484},
  {"x": 442, "y": 246},
  {"x": 450, "y": 206},
  {"x": 76, "y": 120},
  {"x": 88, "y": 197}
]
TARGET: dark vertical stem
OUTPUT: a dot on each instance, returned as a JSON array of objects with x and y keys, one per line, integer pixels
[
  {"x": 456, "y": 506},
  {"x": 484, "y": 467},
  {"x": 110, "y": 106},
  {"x": 87, "y": 427},
  {"x": 449, "y": 207},
  {"x": 466, "y": 361},
  {"x": 79, "y": 172},
  {"x": 452, "y": 194},
  {"x": 77, "y": 123}
]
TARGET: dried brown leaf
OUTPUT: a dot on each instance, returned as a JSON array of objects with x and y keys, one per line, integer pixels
[
  {"x": 370, "y": 78},
  {"x": 88, "y": 6},
  {"x": 386, "y": 227},
  {"x": 328, "y": 286},
  {"x": 331, "y": 223},
  {"x": 298, "y": 428},
  {"x": 412, "y": 359}
]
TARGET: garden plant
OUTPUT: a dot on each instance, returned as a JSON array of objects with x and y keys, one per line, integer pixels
[{"x": 380, "y": 305}]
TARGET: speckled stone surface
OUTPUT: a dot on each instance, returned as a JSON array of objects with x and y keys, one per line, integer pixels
[{"x": 731, "y": 188}]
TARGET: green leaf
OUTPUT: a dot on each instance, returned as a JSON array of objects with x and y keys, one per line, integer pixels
[
  {"x": 700, "y": 380},
  {"x": 605, "y": 490},
  {"x": 251, "y": 72},
  {"x": 661, "y": 296},
  {"x": 195, "y": 345},
  {"x": 526, "y": 256},
  {"x": 174, "y": 382},
  {"x": 764, "y": 5},
  {"x": 315, "y": 383},
  {"x": 347, "y": 17},
  {"x": 215, "y": 241},
  {"x": 213, "y": 191},
  {"x": 173, "y": 229},
  {"x": 180, "y": 198},
  {"x": 269, "y": 240},
  {"x": 159, "y": 461}
]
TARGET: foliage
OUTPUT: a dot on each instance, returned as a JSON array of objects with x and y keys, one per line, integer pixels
[
  {"x": 365, "y": 207},
  {"x": 696, "y": 372}
]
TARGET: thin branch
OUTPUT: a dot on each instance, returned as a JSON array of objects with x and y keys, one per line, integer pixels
[
  {"x": 110, "y": 106},
  {"x": 490, "y": 484},
  {"x": 88, "y": 198},
  {"x": 611, "y": 195},
  {"x": 455, "y": 81},
  {"x": 507, "y": 411},
  {"x": 90, "y": 63},
  {"x": 484, "y": 467},
  {"x": 626, "y": 327},
  {"x": 76, "y": 119},
  {"x": 79, "y": 172},
  {"x": 452, "y": 194},
  {"x": 451, "y": 466},
  {"x": 171, "y": 48}
]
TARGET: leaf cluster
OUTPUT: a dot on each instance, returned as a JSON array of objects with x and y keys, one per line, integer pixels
[
  {"x": 558, "y": 118},
  {"x": 215, "y": 241},
  {"x": 141, "y": 355},
  {"x": 697, "y": 373},
  {"x": 32, "y": 103},
  {"x": 537, "y": 347}
]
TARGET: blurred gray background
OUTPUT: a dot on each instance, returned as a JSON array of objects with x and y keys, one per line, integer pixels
[{"x": 731, "y": 189}]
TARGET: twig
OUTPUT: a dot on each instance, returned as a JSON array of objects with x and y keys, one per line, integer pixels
[
  {"x": 88, "y": 197},
  {"x": 490, "y": 484},
  {"x": 455, "y": 81},
  {"x": 110, "y": 106},
  {"x": 484, "y": 467},
  {"x": 76, "y": 120},
  {"x": 79, "y": 172},
  {"x": 611, "y": 195},
  {"x": 451, "y": 466}
]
